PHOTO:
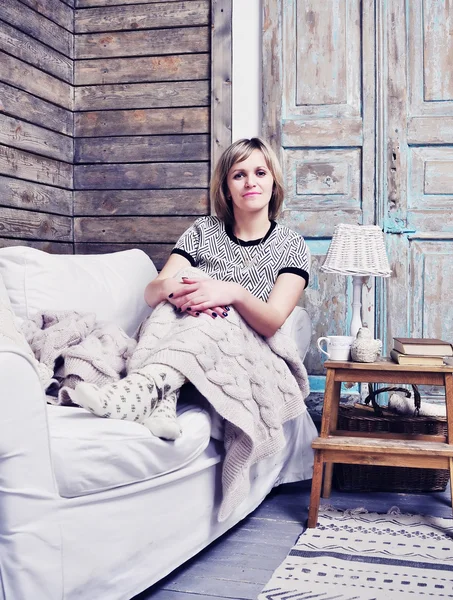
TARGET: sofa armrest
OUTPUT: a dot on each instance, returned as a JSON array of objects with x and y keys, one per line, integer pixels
[
  {"x": 298, "y": 326},
  {"x": 29, "y": 527}
]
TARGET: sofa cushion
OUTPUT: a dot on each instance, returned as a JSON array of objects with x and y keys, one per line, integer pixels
[
  {"x": 91, "y": 454},
  {"x": 110, "y": 285}
]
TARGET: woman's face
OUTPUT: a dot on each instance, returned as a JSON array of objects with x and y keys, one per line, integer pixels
[{"x": 250, "y": 184}]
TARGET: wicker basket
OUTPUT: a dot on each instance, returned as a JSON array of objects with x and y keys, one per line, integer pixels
[{"x": 373, "y": 478}]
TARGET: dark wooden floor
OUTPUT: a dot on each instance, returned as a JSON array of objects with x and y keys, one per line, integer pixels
[{"x": 238, "y": 565}]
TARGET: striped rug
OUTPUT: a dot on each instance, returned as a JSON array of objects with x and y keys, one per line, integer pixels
[{"x": 356, "y": 555}]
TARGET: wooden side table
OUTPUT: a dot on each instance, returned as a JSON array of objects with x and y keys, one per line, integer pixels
[{"x": 390, "y": 449}]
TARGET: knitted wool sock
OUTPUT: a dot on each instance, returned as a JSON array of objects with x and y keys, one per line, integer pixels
[
  {"x": 163, "y": 422},
  {"x": 133, "y": 398}
]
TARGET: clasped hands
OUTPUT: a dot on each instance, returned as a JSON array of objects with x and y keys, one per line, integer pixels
[{"x": 196, "y": 296}]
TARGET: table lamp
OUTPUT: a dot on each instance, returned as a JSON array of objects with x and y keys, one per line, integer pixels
[{"x": 357, "y": 250}]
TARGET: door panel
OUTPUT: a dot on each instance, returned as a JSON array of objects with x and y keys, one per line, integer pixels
[
  {"x": 420, "y": 165},
  {"x": 318, "y": 74}
]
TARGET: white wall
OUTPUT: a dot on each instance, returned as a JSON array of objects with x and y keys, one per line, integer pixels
[{"x": 246, "y": 80}]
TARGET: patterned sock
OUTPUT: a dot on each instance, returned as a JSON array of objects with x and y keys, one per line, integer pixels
[
  {"x": 133, "y": 398},
  {"x": 163, "y": 422}
]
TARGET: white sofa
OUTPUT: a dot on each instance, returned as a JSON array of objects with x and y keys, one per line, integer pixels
[{"x": 90, "y": 507}]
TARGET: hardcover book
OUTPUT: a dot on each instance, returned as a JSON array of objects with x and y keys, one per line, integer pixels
[
  {"x": 423, "y": 346},
  {"x": 413, "y": 359}
]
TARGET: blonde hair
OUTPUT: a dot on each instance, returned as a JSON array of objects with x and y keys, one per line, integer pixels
[{"x": 237, "y": 152}]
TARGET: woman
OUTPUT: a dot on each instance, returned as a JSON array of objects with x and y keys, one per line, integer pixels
[{"x": 254, "y": 264}]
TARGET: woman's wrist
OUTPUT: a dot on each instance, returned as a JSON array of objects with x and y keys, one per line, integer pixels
[
  {"x": 158, "y": 290},
  {"x": 240, "y": 294}
]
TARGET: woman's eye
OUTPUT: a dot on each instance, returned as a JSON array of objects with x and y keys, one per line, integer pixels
[
  {"x": 238, "y": 175},
  {"x": 262, "y": 173}
]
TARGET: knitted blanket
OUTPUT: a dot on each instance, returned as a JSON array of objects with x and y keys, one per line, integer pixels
[
  {"x": 75, "y": 347},
  {"x": 256, "y": 385},
  {"x": 11, "y": 336}
]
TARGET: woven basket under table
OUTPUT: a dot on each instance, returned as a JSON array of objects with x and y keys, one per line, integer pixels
[{"x": 374, "y": 478}]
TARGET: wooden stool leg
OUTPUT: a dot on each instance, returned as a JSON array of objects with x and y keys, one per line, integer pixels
[
  {"x": 451, "y": 481},
  {"x": 327, "y": 486},
  {"x": 329, "y": 422},
  {"x": 449, "y": 410},
  {"x": 315, "y": 495}
]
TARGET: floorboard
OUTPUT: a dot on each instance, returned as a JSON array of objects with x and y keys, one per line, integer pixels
[{"x": 237, "y": 566}]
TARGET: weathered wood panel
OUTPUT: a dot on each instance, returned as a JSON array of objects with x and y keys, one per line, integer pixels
[
  {"x": 431, "y": 181},
  {"x": 431, "y": 312},
  {"x": 26, "y": 224},
  {"x": 142, "y": 43},
  {"x": 39, "y": 55},
  {"x": 331, "y": 177},
  {"x": 144, "y": 230},
  {"x": 323, "y": 132},
  {"x": 142, "y": 149},
  {"x": 143, "y": 16},
  {"x": 93, "y": 3},
  {"x": 438, "y": 50},
  {"x": 321, "y": 80},
  {"x": 221, "y": 76},
  {"x": 158, "y": 253},
  {"x": 17, "y": 163},
  {"x": 27, "y": 107},
  {"x": 30, "y": 79},
  {"x": 430, "y": 130},
  {"x": 37, "y": 26},
  {"x": 142, "y": 95},
  {"x": 157, "y": 121},
  {"x": 45, "y": 246},
  {"x": 55, "y": 10},
  {"x": 141, "y": 176},
  {"x": 22, "y": 135},
  {"x": 189, "y": 67},
  {"x": 322, "y": 58},
  {"x": 17, "y": 193},
  {"x": 140, "y": 202},
  {"x": 142, "y": 121}
]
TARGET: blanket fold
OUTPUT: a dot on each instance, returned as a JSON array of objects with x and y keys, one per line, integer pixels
[{"x": 76, "y": 347}]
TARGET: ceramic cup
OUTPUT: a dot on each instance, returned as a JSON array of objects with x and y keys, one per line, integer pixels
[{"x": 337, "y": 347}]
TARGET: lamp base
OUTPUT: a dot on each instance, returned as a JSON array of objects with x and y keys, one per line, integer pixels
[{"x": 356, "y": 321}]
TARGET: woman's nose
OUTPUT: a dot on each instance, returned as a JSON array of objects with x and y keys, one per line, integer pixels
[{"x": 249, "y": 182}]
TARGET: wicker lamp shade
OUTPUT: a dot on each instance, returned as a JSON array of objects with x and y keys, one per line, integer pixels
[{"x": 357, "y": 250}]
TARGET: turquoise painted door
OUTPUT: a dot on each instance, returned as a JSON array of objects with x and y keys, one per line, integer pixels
[
  {"x": 418, "y": 203},
  {"x": 358, "y": 101}
]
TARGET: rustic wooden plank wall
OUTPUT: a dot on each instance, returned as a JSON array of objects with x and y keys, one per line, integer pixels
[
  {"x": 36, "y": 123},
  {"x": 142, "y": 122}
]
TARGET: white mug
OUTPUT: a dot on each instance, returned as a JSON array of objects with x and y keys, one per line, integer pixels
[{"x": 338, "y": 347}]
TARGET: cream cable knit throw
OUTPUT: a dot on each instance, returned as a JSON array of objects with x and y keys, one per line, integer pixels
[
  {"x": 254, "y": 384},
  {"x": 78, "y": 348},
  {"x": 10, "y": 335}
]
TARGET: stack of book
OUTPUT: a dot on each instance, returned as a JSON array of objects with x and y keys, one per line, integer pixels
[{"x": 420, "y": 351}]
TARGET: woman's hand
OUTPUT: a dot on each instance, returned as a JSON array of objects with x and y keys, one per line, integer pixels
[{"x": 208, "y": 296}]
